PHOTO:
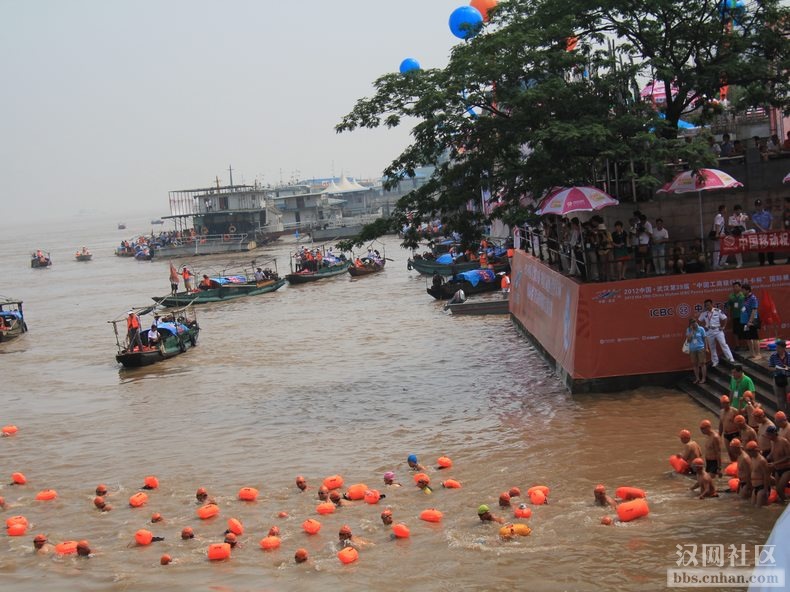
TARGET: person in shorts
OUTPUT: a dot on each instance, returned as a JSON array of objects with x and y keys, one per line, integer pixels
[{"x": 698, "y": 350}]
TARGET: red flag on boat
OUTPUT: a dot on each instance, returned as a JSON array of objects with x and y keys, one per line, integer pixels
[
  {"x": 173, "y": 274},
  {"x": 767, "y": 310}
]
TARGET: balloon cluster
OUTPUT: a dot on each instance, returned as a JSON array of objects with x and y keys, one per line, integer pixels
[{"x": 465, "y": 23}]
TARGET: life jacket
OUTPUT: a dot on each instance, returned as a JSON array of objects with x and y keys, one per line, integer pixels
[
  {"x": 505, "y": 282},
  {"x": 186, "y": 274},
  {"x": 132, "y": 322},
  {"x": 483, "y": 260}
]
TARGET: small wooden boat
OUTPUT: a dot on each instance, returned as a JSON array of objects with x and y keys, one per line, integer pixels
[
  {"x": 12, "y": 319},
  {"x": 121, "y": 226},
  {"x": 83, "y": 255},
  {"x": 222, "y": 292},
  {"x": 178, "y": 331},
  {"x": 317, "y": 264},
  {"x": 124, "y": 251},
  {"x": 157, "y": 221},
  {"x": 144, "y": 254},
  {"x": 305, "y": 276},
  {"x": 367, "y": 267},
  {"x": 475, "y": 281},
  {"x": 40, "y": 260},
  {"x": 488, "y": 306}
]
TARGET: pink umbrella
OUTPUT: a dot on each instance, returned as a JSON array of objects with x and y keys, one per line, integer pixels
[
  {"x": 656, "y": 91},
  {"x": 566, "y": 200},
  {"x": 699, "y": 181}
]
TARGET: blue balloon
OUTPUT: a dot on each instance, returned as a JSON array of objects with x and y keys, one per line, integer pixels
[
  {"x": 408, "y": 65},
  {"x": 466, "y": 22}
]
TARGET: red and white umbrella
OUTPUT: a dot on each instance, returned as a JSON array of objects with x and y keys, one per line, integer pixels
[
  {"x": 786, "y": 179},
  {"x": 567, "y": 200},
  {"x": 699, "y": 181},
  {"x": 656, "y": 91}
]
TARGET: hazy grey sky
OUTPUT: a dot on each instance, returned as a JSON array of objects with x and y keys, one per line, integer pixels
[{"x": 107, "y": 105}]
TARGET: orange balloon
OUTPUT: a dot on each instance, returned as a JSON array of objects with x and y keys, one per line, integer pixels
[
  {"x": 207, "y": 511},
  {"x": 400, "y": 530},
  {"x": 235, "y": 526},
  {"x": 483, "y": 7},
  {"x": 66, "y": 548},
  {"x": 311, "y": 526},
  {"x": 18, "y": 478},
  {"x": 143, "y": 537},
  {"x": 270, "y": 543},
  {"x": 10, "y": 430},
  {"x": 348, "y": 555},
  {"x": 325, "y": 508},
  {"x": 16, "y": 520},
  {"x": 218, "y": 551},
  {"x": 46, "y": 495},
  {"x": 17, "y": 529},
  {"x": 431, "y": 515},
  {"x": 138, "y": 499},
  {"x": 356, "y": 491},
  {"x": 248, "y": 494}
]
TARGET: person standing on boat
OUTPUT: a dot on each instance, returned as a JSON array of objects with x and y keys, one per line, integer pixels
[
  {"x": 133, "y": 331},
  {"x": 187, "y": 275},
  {"x": 259, "y": 275},
  {"x": 173, "y": 280}
]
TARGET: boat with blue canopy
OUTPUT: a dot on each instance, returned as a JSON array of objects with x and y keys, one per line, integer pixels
[
  {"x": 175, "y": 332},
  {"x": 475, "y": 281},
  {"x": 12, "y": 319}
]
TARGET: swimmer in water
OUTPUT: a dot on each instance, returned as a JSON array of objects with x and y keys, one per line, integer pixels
[
  {"x": 187, "y": 533},
  {"x": 201, "y": 495},
  {"x": 704, "y": 480},
  {"x": 301, "y": 483},
  {"x": 99, "y": 502},
  {"x": 424, "y": 484},
  {"x": 231, "y": 539},
  {"x": 274, "y": 531},
  {"x": 347, "y": 539},
  {"x": 101, "y": 490},
  {"x": 601, "y": 498},
  {"x": 336, "y": 498},
  {"x": 40, "y": 544},
  {"x": 301, "y": 556},
  {"x": 386, "y": 517},
  {"x": 504, "y": 500},
  {"x": 691, "y": 449},
  {"x": 389, "y": 479},
  {"x": 413, "y": 464},
  {"x": 485, "y": 515},
  {"x": 83, "y": 549},
  {"x": 323, "y": 493}
]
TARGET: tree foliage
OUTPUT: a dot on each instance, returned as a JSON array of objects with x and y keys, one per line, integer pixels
[{"x": 515, "y": 113}]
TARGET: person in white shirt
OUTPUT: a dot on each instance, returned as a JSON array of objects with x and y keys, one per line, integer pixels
[
  {"x": 714, "y": 321},
  {"x": 737, "y": 224},
  {"x": 660, "y": 237},
  {"x": 718, "y": 231},
  {"x": 153, "y": 336}
]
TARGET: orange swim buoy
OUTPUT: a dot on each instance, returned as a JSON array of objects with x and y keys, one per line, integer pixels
[
  {"x": 269, "y": 543},
  {"x": 10, "y": 430},
  {"x": 606, "y": 520},
  {"x": 218, "y": 551},
  {"x": 46, "y": 495},
  {"x": 444, "y": 462},
  {"x": 372, "y": 496},
  {"x": 734, "y": 484},
  {"x": 235, "y": 526},
  {"x": 16, "y": 520},
  {"x": 522, "y": 511},
  {"x": 632, "y": 510},
  {"x": 630, "y": 493},
  {"x": 333, "y": 482},
  {"x": 431, "y": 515},
  {"x": 732, "y": 469},
  {"x": 421, "y": 477},
  {"x": 143, "y": 537},
  {"x": 138, "y": 499},
  {"x": 348, "y": 555},
  {"x": 451, "y": 484},
  {"x": 150, "y": 482},
  {"x": 325, "y": 508},
  {"x": 17, "y": 529},
  {"x": 66, "y": 548},
  {"x": 311, "y": 526},
  {"x": 773, "y": 497},
  {"x": 207, "y": 511},
  {"x": 679, "y": 464},
  {"x": 356, "y": 491},
  {"x": 18, "y": 478},
  {"x": 537, "y": 497},
  {"x": 542, "y": 488},
  {"x": 248, "y": 494},
  {"x": 400, "y": 530}
]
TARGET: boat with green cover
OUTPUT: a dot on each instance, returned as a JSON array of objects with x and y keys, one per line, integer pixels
[
  {"x": 306, "y": 275},
  {"x": 222, "y": 288},
  {"x": 174, "y": 334}
]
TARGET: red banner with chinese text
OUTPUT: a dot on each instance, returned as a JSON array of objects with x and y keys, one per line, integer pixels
[{"x": 756, "y": 242}]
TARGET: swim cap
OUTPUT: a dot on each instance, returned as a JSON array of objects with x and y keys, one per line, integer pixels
[
  {"x": 704, "y": 424},
  {"x": 514, "y": 492},
  {"x": 389, "y": 475},
  {"x": 751, "y": 445},
  {"x": 735, "y": 443},
  {"x": 685, "y": 434},
  {"x": 345, "y": 529},
  {"x": 504, "y": 496},
  {"x": 101, "y": 489},
  {"x": 323, "y": 488},
  {"x": 274, "y": 531},
  {"x": 412, "y": 458},
  {"x": 698, "y": 462},
  {"x": 482, "y": 509},
  {"x": 387, "y": 513},
  {"x": 739, "y": 419},
  {"x": 300, "y": 555},
  {"x": 600, "y": 488},
  {"x": 724, "y": 399},
  {"x": 759, "y": 412},
  {"x": 771, "y": 429},
  {"x": 187, "y": 533},
  {"x": 748, "y": 395},
  {"x": 780, "y": 416},
  {"x": 40, "y": 538}
]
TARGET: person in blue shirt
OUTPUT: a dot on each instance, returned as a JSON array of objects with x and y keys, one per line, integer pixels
[
  {"x": 751, "y": 321},
  {"x": 762, "y": 221},
  {"x": 698, "y": 351}
]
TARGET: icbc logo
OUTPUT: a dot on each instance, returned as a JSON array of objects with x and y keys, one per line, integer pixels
[
  {"x": 661, "y": 312},
  {"x": 683, "y": 310}
]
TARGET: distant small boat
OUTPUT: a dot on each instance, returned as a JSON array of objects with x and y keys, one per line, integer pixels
[
  {"x": 474, "y": 281},
  {"x": 83, "y": 255},
  {"x": 307, "y": 267},
  {"x": 39, "y": 259},
  {"x": 368, "y": 267},
  {"x": 12, "y": 320},
  {"x": 487, "y": 306},
  {"x": 121, "y": 226},
  {"x": 157, "y": 221}
]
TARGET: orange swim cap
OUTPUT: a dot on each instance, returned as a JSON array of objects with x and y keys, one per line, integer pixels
[
  {"x": 230, "y": 538},
  {"x": 101, "y": 489},
  {"x": 201, "y": 491},
  {"x": 606, "y": 520},
  {"x": 698, "y": 462},
  {"x": 40, "y": 538},
  {"x": 600, "y": 488},
  {"x": 387, "y": 513},
  {"x": 165, "y": 559},
  {"x": 282, "y": 514},
  {"x": 704, "y": 424},
  {"x": 99, "y": 502},
  {"x": 684, "y": 434},
  {"x": 274, "y": 531},
  {"x": 504, "y": 497},
  {"x": 187, "y": 533},
  {"x": 724, "y": 399},
  {"x": 759, "y": 412},
  {"x": 156, "y": 517},
  {"x": 345, "y": 529},
  {"x": 514, "y": 492},
  {"x": 780, "y": 415},
  {"x": 752, "y": 445},
  {"x": 739, "y": 419},
  {"x": 735, "y": 443},
  {"x": 150, "y": 482},
  {"x": 300, "y": 556},
  {"x": 748, "y": 395}
]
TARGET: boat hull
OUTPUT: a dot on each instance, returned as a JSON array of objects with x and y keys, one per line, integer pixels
[
  {"x": 84, "y": 257},
  {"x": 448, "y": 289},
  {"x": 170, "y": 347},
  {"x": 37, "y": 264},
  {"x": 426, "y": 267},
  {"x": 227, "y": 292},
  {"x": 480, "y": 307},
  {"x": 355, "y": 271},
  {"x": 213, "y": 245},
  {"x": 313, "y": 276}
]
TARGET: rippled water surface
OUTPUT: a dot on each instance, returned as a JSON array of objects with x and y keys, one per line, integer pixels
[{"x": 343, "y": 376}]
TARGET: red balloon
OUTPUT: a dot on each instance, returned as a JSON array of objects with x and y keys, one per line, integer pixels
[{"x": 483, "y": 6}]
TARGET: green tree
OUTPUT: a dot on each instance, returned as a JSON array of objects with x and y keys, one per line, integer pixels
[{"x": 545, "y": 116}]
